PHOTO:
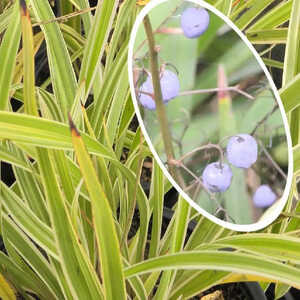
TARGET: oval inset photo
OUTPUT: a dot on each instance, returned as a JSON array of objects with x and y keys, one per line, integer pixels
[{"x": 211, "y": 113}]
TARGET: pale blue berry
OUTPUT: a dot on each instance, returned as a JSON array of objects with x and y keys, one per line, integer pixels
[
  {"x": 194, "y": 22},
  {"x": 146, "y": 100},
  {"x": 170, "y": 87},
  {"x": 217, "y": 177},
  {"x": 264, "y": 196},
  {"x": 242, "y": 150}
]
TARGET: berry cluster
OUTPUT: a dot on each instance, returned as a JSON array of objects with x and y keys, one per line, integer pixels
[
  {"x": 241, "y": 152},
  {"x": 194, "y": 22}
]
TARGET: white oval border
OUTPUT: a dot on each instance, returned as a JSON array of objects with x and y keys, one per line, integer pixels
[{"x": 242, "y": 228}]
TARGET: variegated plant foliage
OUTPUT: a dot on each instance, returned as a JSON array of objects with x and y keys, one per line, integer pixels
[{"x": 66, "y": 221}]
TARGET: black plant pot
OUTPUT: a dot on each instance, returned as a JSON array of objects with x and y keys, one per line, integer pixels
[
  {"x": 237, "y": 291},
  {"x": 254, "y": 291},
  {"x": 292, "y": 294}
]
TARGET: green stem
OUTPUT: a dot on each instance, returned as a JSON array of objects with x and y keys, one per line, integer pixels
[{"x": 160, "y": 107}]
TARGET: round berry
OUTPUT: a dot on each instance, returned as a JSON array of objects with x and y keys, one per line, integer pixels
[
  {"x": 146, "y": 100},
  {"x": 264, "y": 196},
  {"x": 242, "y": 150},
  {"x": 170, "y": 87},
  {"x": 194, "y": 22},
  {"x": 217, "y": 177}
]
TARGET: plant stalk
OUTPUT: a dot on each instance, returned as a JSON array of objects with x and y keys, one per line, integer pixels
[{"x": 160, "y": 107}]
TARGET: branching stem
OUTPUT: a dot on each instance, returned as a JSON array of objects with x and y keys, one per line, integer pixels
[
  {"x": 273, "y": 162},
  {"x": 227, "y": 89},
  {"x": 205, "y": 147},
  {"x": 275, "y": 107}
]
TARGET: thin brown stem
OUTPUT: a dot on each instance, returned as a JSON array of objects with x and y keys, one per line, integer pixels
[
  {"x": 160, "y": 107},
  {"x": 208, "y": 146},
  {"x": 65, "y": 18},
  {"x": 199, "y": 184},
  {"x": 265, "y": 118},
  {"x": 169, "y": 30},
  {"x": 268, "y": 49},
  {"x": 186, "y": 123},
  {"x": 213, "y": 90},
  {"x": 148, "y": 94},
  {"x": 274, "y": 163},
  {"x": 196, "y": 178},
  {"x": 162, "y": 24},
  {"x": 197, "y": 191},
  {"x": 225, "y": 138}
]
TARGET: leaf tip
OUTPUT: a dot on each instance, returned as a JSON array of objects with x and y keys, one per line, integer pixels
[
  {"x": 222, "y": 83},
  {"x": 73, "y": 128},
  {"x": 23, "y": 6}
]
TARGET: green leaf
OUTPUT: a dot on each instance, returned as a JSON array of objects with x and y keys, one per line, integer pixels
[
  {"x": 8, "y": 52},
  {"x": 290, "y": 94},
  {"x": 108, "y": 244},
  {"x": 243, "y": 56},
  {"x": 292, "y": 65},
  {"x": 29, "y": 187},
  {"x": 62, "y": 73},
  {"x": 219, "y": 260},
  {"x": 7, "y": 156},
  {"x": 48, "y": 101},
  {"x": 6, "y": 291},
  {"x": 182, "y": 214},
  {"x": 179, "y": 233},
  {"x": 96, "y": 41},
  {"x": 33, "y": 257},
  {"x": 236, "y": 197},
  {"x": 196, "y": 282},
  {"x": 80, "y": 276},
  {"x": 157, "y": 190},
  {"x": 274, "y": 17},
  {"x": 51, "y": 134},
  {"x": 292, "y": 52},
  {"x": 87, "y": 17},
  {"x": 122, "y": 20},
  {"x": 251, "y": 9},
  {"x": 122, "y": 93},
  {"x": 5, "y": 17},
  {"x": 283, "y": 248},
  {"x": 296, "y": 155},
  {"x": 110, "y": 81},
  {"x": 137, "y": 285},
  {"x": 281, "y": 290},
  {"x": 262, "y": 105},
  {"x": 30, "y": 105},
  {"x": 206, "y": 231},
  {"x": 28, "y": 221},
  {"x": 225, "y": 6},
  {"x": 44, "y": 133},
  {"x": 273, "y": 36},
  {"x": 14, "y": 274},
  {"x": 273, "y": 63}
]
